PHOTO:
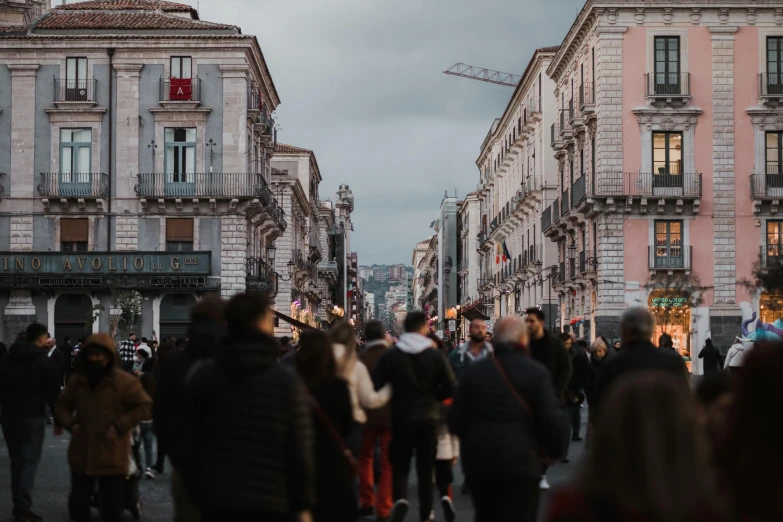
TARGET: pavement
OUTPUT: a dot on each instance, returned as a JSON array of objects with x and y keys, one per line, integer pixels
[{"x": 50, "y": 496}]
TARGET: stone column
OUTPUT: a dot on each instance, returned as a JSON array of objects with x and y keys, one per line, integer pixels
[
  {"x": 127, "y": 129},
  {"x": 23, "y": 130},
  {"x": 126, "y": 236},
  {"x": 233, "y": 236},
  {"x": 20, "y": 310},
  {"x": 725, "y": 314},
  {"x": 234, "y": 117},
  {"x": 285, "y": 252}
]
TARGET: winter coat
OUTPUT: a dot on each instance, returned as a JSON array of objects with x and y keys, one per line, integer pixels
[
  {"x": 169, "y": 404},
  {"x": 28, "y": 381},
  {"x": 360, "y": 386},
  {"x": 596, "y": 369},
  {"x": 637, "y": 357},
  {"x": 550, "y": 352},
  {"x": 420, "y": 376},
  {"x": 711, "y": 356},
  {"x": 118, "y": 400},
  {"x": 736, "y": 356},
  {"x": 249, "y": 432},
  {"x": 373, "y": 351},
  {"x": 498, "y": 437},
  {"x": 59, "y": 361},
  {"x": 582, "y": 376},
  {"x": 462, "y": 357}
]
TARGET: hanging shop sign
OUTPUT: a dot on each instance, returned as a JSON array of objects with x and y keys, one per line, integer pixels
[
  {"x": 104, "y": 263},
  {"x": 670, "y": 301}
]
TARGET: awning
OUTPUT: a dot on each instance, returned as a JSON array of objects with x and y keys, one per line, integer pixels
[
  {"x": 293, "y": 322},
  {"x": 472, "y": 314}
]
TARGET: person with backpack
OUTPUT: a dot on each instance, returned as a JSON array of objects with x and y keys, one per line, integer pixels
[{"x": 421, "y": 378}]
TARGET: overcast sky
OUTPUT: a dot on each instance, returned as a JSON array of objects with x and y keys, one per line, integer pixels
[{"x": 361, "y": 84}]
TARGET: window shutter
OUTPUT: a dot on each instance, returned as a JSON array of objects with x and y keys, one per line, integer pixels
[
  {"x": 179, "y": 230},
  {"x": 74, "y": 230}
]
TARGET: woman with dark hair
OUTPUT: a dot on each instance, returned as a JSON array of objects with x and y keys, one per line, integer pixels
[
  {"x": 649, "y": 459},
  {"x": 749, "y": 460},
  {"x": 665, "y": 341},
  {"x": 332, "y": 416},
  {"x": 164, "y": 352}
]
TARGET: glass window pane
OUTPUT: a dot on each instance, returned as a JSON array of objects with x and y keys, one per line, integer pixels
[
  {"x": 66, "y": 135},
  {"x": 675, "y": 153},
  {"x": 772, "y": 43},
  {"x": 168, "y": 135},
  {"x": 190, "y": 162},
  {"x": 190, "y": 135},
  {"x": 82, "y": 135},
  {"x": 773, "y": 139},
  {"x": 171, "y": 152},
  {"x": 83, "y": 160},
  {"x": 70, "y": 69},
  {"x": 81, "y": 70},
  {"x": 176, "y": 68},
  {"x": 187, "y": 68},
  {"x": 773, "y": 232},
  {"x": 66, "y": 164}
]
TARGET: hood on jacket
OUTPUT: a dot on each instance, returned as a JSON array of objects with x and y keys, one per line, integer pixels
[
  {"x": 22, "y": 350},
  {"x": 146, "y": 349},
  {"x": 375, "y": 343},
  {"x": 485, "y": 350},
  {"x": 102, "y": 341},
  {"x": 413, "y": 343},
  {"x": 739, "y": 347},
  {"x": 204, "y": 338},
  {"x": 248, "y": 355}
]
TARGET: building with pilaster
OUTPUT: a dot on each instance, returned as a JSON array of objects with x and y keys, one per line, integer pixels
[
  {"x": 668, "y": 145},
  {"x": 135, "y": 146}
]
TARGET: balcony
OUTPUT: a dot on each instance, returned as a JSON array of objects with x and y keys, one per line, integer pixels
[
  {"x": 556, "y": 139},
  {"x": 328, "y": 268},
  {"x": 535, "y": 254},
  {"x": 71, "y": 92},
  {"x": 649, "y": 185},
  {"x": 771, "y": 257},
  {"x": 546, "y": 218},
  {"x": 668, "y": 89},
  {"x": 561, "y": 273},
  {"x": 582, "y": 262},
  {"x": 259, "y": 276},
  {"x": 670, "y": 258},
  {"x": 566, "y": 203},
  {"x": 81, "y": 185},
  {"x": 574, "y": 117},
  {"x": 180, "y": 91},
  {"x": 204, "y": 185},
  {"x": 255, "y": 104},
  {"x": 534, "y": 109},
  {"x": 556, "y": 211},
  {"x": 771, "y": 88},
  {"x": 566, "y": 124},
  {"x": 578, "y": 191},
  {"x": 587, "y": 98},
  {"x": 767, "y": 186}
]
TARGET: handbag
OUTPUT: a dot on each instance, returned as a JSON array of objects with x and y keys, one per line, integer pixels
[{"x": 334, "y": 435}]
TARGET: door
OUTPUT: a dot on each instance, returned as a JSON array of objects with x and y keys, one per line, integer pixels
[
  {"x": 667, "y": 65},
  {"x": 775, "y": 65},
  {"x": 180, "y": 161},
  {"x": 668, "y": 244},
  {"x": 72, "y": 317},
  {"x": 175, "y": 315},
  {"x": 75, "y": 162},
  {"x": 774, "y": 250},
  {"x": 76, "y": 79},
  {"x": 667, "y": 159},
  {"x": 774, "y": 162}
]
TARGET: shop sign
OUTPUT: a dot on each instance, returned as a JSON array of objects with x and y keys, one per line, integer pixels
[
  {"x": 669, "y": 301},
  {"x": 68, "y": 282},
  {"x": 104, "y": 263}
]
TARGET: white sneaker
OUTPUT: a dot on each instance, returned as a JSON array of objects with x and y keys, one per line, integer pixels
[
  {"x": 448, "y": 509},
  {"x": 399, "y": 510},
  {"x": 543, "y": 485},
  {"x": 149, "y": 474}
]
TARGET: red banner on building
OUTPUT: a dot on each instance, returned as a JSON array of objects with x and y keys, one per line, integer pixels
[{"x": 180, "y": 89}]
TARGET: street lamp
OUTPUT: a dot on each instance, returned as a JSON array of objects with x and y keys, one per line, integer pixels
[{"x": 541, "y": 279}]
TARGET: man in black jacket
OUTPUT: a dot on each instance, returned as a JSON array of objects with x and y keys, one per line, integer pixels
[
  {"x": 421, "y": 378},
  {"x": 581, "y": 378},
  {"x": 502, "y": 420},
  {"x": 29, "y": 380},
  {"x": 251, "y": 442},
  {"x": 639, "y": 354}
]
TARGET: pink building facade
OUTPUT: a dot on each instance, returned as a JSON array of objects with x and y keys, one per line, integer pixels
[{"x": 668, "y": 144}]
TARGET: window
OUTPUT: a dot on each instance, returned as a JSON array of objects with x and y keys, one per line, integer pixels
[
  {"x": 180, "y": 159},
  {"x": 774, "y": 243},
  {"x": 775, "y": 64},
  {"x": 668, "y": 244},
  {"x": 181, "y": 67},
  {"x": 774, "y": 154},
  {"x": 667, "y": 65},
  {"x": 75, "y": 79},
  {"x": 667, "y": 159},
  {"x": 75, "y": 161},
  {"x": 74, "y": 235},
  {"x": 179, "y": 235}
]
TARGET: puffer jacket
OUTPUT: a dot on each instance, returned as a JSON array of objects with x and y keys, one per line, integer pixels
[
  {"x": 28, "y": 381},
  {"x": 736, "y": 356},
  {"x": 118, "y": 399}
]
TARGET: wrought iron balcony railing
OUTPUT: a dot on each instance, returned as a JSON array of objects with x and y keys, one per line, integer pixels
[
  {"x": 666, "y": 85},
  {"x": 73, "y": 90},
  {"x": 74, "y": 185},
  {"x": 586, "y": 95},
  {"x": 535, "y": 254},
  {"x": 771, "y": 85},
  {"x": 556, "y": 211},
  {"x": 218, "y": 185},
  {"x": 546, "y": 218},
  {"x": 180, "y": 89},
  {"x": 771, "y": 256},
  {"x": 565, "y": 203},
  {"x": 254, "y": 100},
  {"x": 648, "y": 184},
  {"x": 582, "y": 262},
  {"x": 670, "y": 257},
  {"x": 578, "y": 191},
  {"x": 561, "y": 273},
  {"x": 768, "y": 185},
  {"x": 260, "y": 277}
]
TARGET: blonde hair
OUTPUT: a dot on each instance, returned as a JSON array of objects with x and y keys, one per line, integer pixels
[
  {"x": 597, "y": 344},
  {"x": 344, "y": 343}
]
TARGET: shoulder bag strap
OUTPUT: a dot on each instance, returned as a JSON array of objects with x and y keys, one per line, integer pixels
[
  {"x": 503, "y": 375},
  {"x": 333, "y": 434}
]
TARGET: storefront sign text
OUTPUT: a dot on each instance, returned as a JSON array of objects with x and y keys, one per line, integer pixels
[{"x": 107, "y": 263}]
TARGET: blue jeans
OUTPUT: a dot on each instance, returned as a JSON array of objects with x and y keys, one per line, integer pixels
[
  {"x": 148, "y": 440},
  {"x": 24, "y": 438}
]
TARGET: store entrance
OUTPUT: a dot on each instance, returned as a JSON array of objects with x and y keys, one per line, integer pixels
[
  {"x": 72, "y": 317},
  {"x": 672, "y": 316},
  {"x": 175, "y": 315},
  {"x": 771, "y": 306}
]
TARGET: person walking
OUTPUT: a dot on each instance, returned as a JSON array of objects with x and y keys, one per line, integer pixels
[
  {"x": 59, "y": 359},
  {"x": 546, "y": 348},
  {"x": 66, "y": 348},
  {"x": 377, "y": 431},
  {"x": 735, "y": 358},
  {"x": 711, "y": 357},
  {"x": 248, "y": 444},
  {"x": 446, "y": 454},
  {"x": 648, "y": 459},
  {"x": 100, "y": 406},
  {"x": 421, "y": 378},
  {"x": 29, "y": 380},
  {"x": 171, "y": 373},
  {"x": 332, "y": 414},
  {"x": 600, "y": 353},
  {"x": 476, "y": 348},
  {"x": 504, "y": 412},
  {"x": 581, "y": 378},
  {"x": 636, "y": 328},
  {"x": 127, "y": 352}
]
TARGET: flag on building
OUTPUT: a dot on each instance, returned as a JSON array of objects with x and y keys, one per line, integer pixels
[
  {"x": 497, "y": 256},
  {"x": 506, "y": 254}
]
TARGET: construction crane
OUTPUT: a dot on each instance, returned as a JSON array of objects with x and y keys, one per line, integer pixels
[{"x": 484, "y": 75}]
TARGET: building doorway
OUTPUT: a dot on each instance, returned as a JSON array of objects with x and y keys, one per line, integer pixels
[
  {"x": 770, "y": 306},
  {"x": 72, "y": 317},
  {"x": 672, "y": 314},
  {"x": 175, "y": 315}
]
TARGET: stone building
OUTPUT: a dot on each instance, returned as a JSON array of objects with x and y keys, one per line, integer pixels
[{"x": 135, "y": 146}]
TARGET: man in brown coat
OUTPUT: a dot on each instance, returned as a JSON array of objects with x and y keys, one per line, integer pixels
[{"x": 100, "y": 406}]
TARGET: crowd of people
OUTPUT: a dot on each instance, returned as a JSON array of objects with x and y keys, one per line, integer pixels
[{"x": 327, "y": 429}]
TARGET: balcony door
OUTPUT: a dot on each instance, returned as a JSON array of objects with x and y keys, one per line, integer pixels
[
  {"x": 774, "y": 249},
  {"x": 774, "y": 163},
  {"x": 667, "y": 159},
  {"x": 181, "y": 83},
  {"x": 668, "y": 244},
  {"x": 75, "y": 161},
  {"x": 76, "y": 79},
  {"x": 667, "y": 65},
  {"x": 775, "y": 64},
  {"x": 180, "y": 161}
]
